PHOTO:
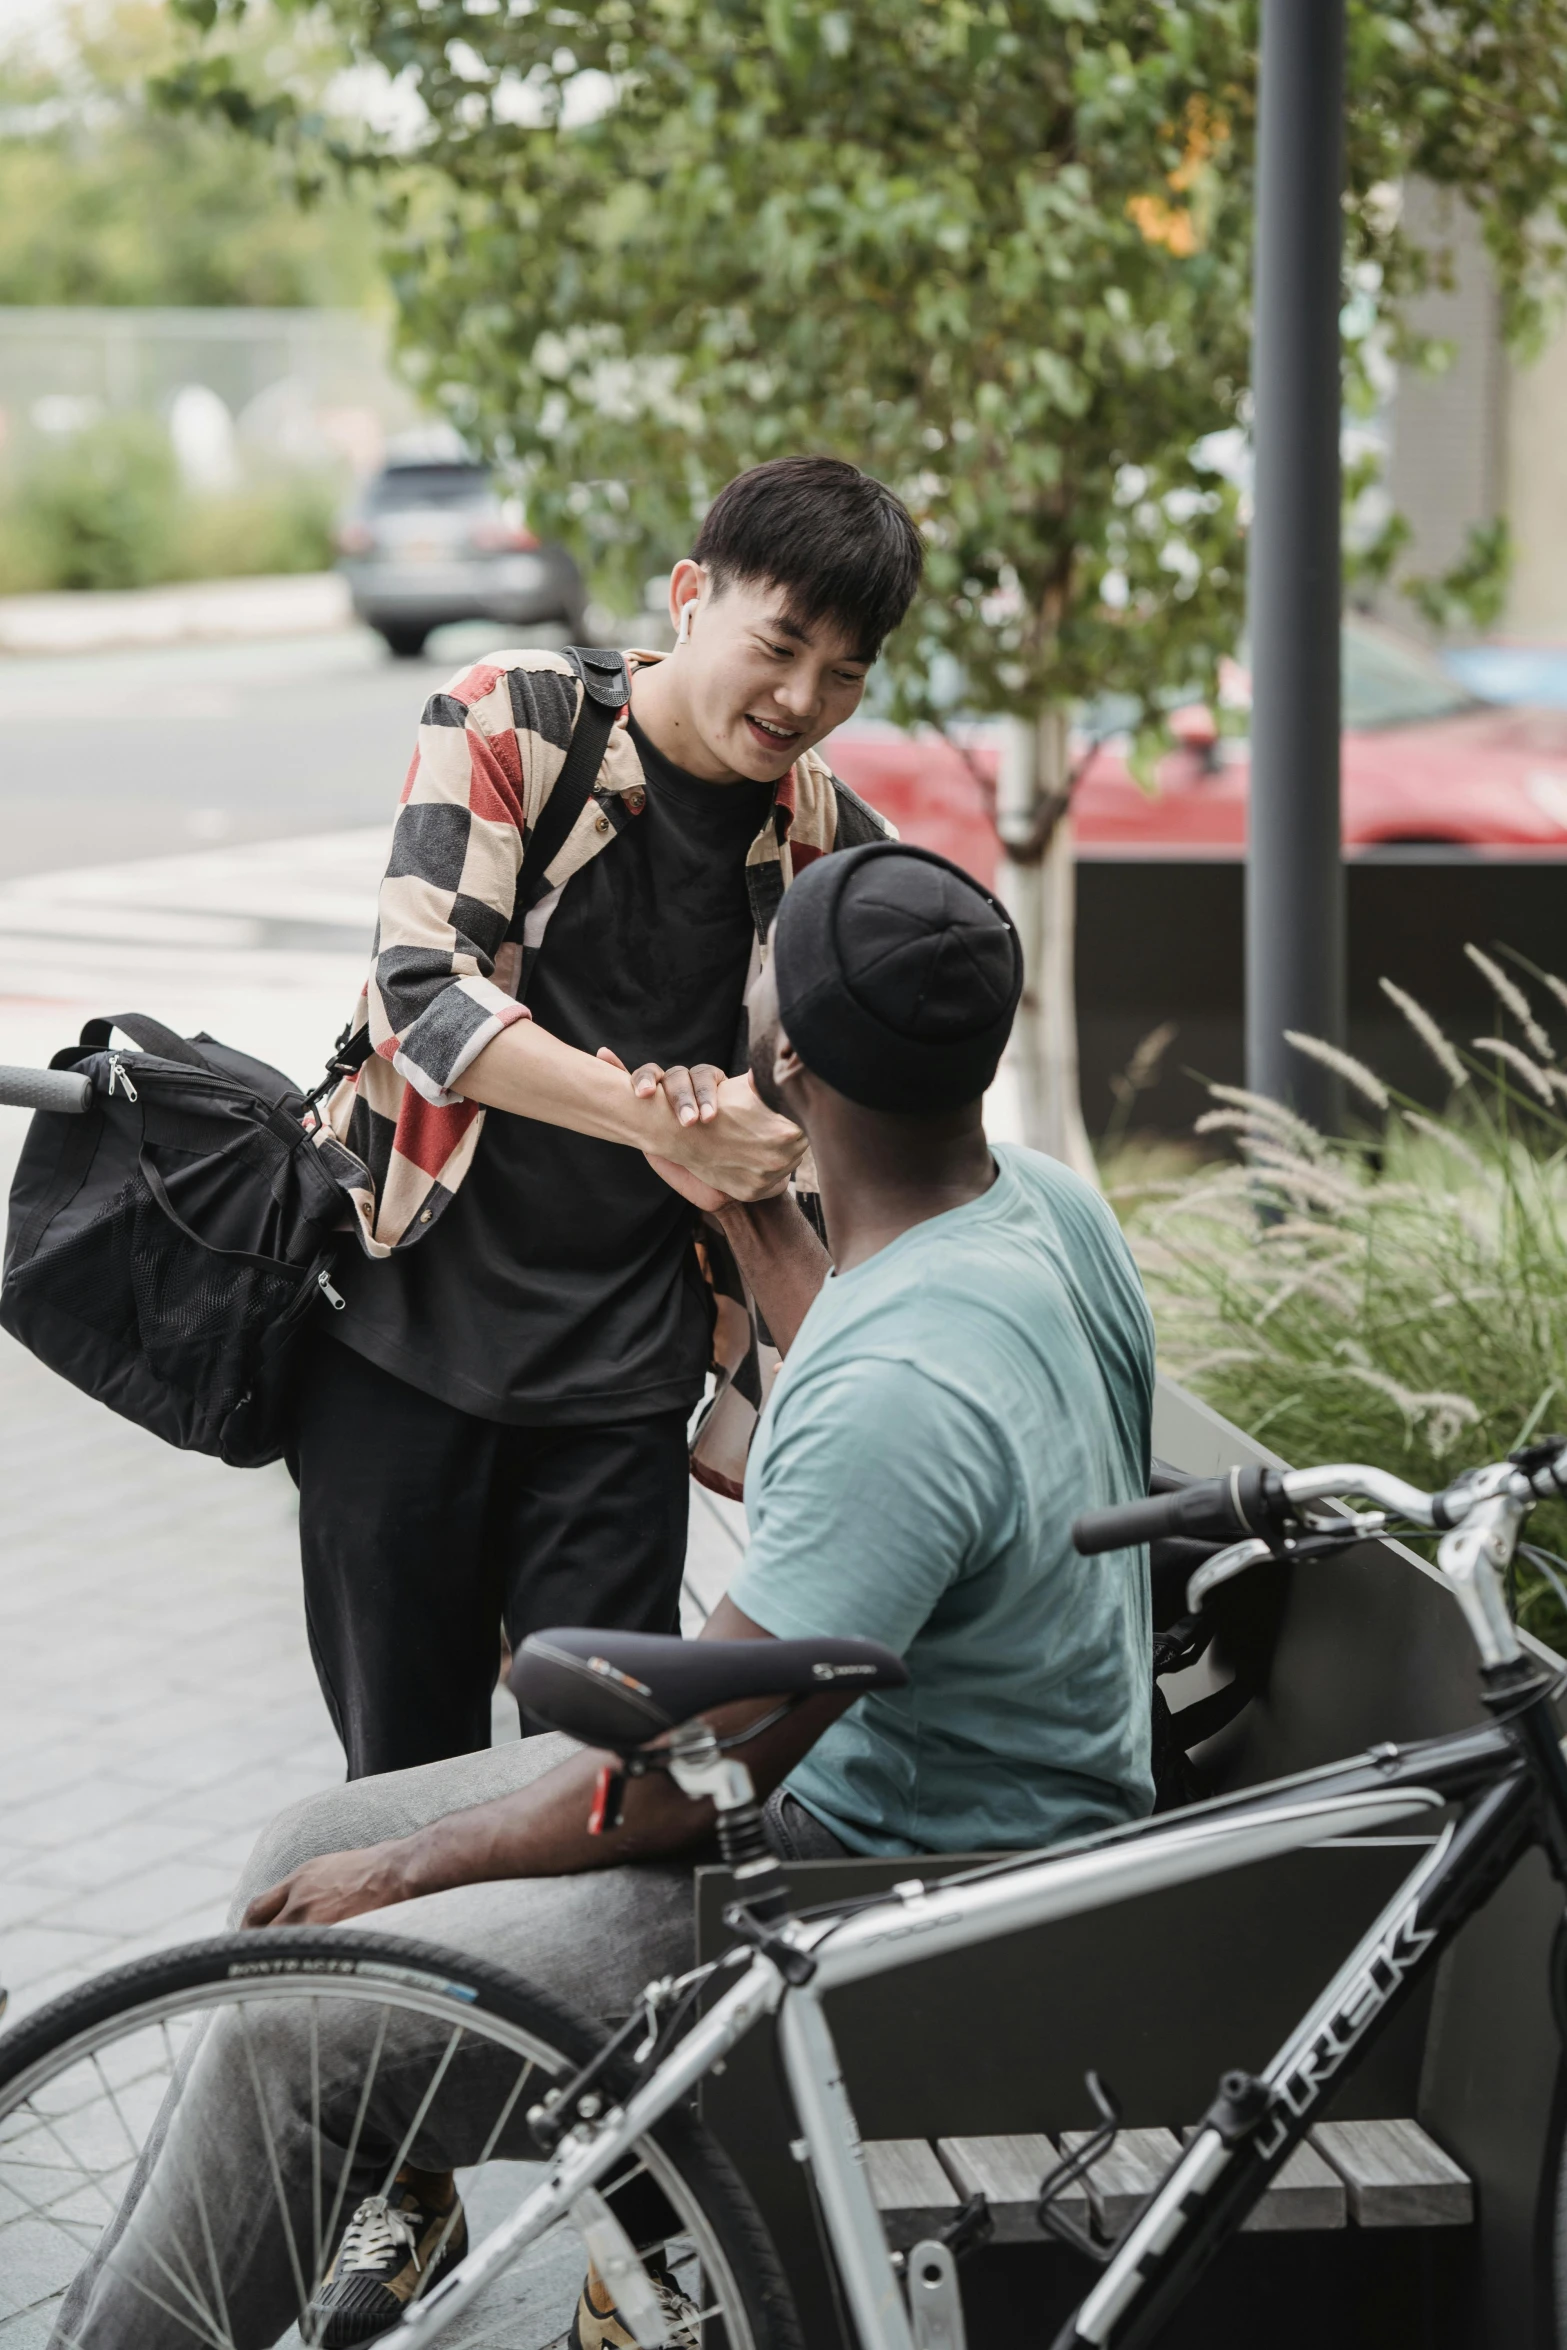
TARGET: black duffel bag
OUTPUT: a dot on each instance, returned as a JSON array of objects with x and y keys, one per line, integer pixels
[{"x": 164, "y": 1248}]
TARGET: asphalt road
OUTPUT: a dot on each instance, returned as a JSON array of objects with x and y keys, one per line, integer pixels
[{"x": 138, "y": 754}]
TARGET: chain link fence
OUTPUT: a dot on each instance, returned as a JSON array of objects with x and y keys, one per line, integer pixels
[{"x": 251, "y": 389}]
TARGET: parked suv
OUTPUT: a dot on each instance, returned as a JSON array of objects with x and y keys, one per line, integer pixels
[{"x": 427, "y": 541}]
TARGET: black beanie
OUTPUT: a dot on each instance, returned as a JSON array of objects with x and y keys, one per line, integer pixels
[{"x": 898, "y": 976}]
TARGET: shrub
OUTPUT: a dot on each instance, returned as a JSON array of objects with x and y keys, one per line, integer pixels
[
  {"x": 100, "y": 511},
  {"x": 106, "y": 510},
  {"x": 1397, "y": 1297},
  {"x": 286, "y": 526}
]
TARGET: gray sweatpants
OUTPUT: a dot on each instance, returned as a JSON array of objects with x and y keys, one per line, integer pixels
[{"x": 222, "y": 2215}]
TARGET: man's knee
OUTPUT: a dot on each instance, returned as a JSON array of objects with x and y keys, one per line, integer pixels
[{"x": 303, "y": 1832}]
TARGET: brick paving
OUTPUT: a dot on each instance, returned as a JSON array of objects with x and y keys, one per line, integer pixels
[{"x": 156, "y": 1699}]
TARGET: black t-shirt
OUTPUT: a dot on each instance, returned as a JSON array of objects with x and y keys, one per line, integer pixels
[{"x": 560, "y": 1285}]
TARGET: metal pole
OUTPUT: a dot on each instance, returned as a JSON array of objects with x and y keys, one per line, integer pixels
[{"x": 1294, "y": 872}]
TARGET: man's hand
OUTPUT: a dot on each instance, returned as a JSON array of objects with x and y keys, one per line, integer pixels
[
  {"x": 731, "y": 1146},
  {"x": 747, "y": 1151},
  {"x": 343, "y": 1885},
  {"x": 691, "y": 1093},
  {"x": 741, "y": 1149}
]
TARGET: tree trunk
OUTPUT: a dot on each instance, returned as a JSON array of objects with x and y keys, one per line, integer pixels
[{"x": 1041, "y": 893}]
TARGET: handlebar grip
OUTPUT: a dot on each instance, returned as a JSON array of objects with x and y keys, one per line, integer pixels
[
  {"x": 1216, "y": 1509},
  {"x": 63, "y": 1090}
]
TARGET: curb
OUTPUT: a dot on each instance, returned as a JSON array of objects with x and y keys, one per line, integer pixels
[{"x": 195, "y": 612}]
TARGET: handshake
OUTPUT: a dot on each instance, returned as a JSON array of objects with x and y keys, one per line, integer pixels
[{"x": 712, "y": 1138}]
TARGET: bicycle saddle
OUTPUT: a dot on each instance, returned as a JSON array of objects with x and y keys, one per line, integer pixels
[{"x": 624, "y": 1689}]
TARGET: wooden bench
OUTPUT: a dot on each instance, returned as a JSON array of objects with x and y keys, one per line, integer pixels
[{"x": 1372, "y": 2174}]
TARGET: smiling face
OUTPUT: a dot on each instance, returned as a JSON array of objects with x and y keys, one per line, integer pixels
[{"x": 757, "y": 686}]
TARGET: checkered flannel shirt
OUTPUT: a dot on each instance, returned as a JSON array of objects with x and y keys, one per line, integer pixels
[{"x": 444, "y": 979}]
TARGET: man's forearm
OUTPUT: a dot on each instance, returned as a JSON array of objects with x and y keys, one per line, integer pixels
[
  {"x": 546, "y": 1835},
  {"x": 783, "y": 1262},
  {"x": 533, "y": 1074}
]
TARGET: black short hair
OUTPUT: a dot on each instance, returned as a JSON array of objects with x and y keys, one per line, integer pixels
[{"x": 839, "y": 544}]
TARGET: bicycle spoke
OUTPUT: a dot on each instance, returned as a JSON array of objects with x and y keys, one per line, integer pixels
[
  {"x": 203, "y": 2217},
  {"x": 44, "y": 2212},
  {"x": 425, "y": 2103},
  {"x": 208, "y": 2338},
  {"x": 217, "y": 2332},
  {"x": 119, "y": 2113},
  {"x": 318, "y": 2257},
  {"x": 212, "y": 2252},
  {"x": 71, "y": 2166},
  {"x": 347, "y": 2171},
  {"x": 488, "y": 2148},
  {"x": 273, "y": 2164}
]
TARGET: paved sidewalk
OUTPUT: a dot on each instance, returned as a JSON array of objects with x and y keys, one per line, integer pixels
[{"x": 156, "y": 1701}]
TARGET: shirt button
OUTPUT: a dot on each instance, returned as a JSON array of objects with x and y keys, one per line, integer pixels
[
  {"x": 425, "y": 1215},
  {"x": 602, "y": 825}
]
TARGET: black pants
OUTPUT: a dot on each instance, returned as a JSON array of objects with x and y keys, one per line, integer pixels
[{"x": 422, "y": 1529}]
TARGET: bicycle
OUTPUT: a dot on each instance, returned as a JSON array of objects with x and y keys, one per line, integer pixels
[{"x": 607, "y": 2113}]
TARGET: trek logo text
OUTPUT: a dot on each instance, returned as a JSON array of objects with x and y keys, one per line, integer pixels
[{"x": 1302, "y": 2082}]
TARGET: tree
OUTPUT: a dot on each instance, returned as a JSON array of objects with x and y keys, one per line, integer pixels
[
  {"x": 105, "y": 198},
  {"x": 997, "y": 251}
]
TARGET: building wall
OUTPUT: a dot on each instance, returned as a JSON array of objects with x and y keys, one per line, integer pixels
[
  {"x": 1487, "y": 436},
  {"x": 1447, "y": 462},
  {"x": 1536, "y": 495}
]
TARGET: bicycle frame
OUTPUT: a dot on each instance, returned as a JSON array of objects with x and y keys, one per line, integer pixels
[{"x": 1494, "y": 1775}]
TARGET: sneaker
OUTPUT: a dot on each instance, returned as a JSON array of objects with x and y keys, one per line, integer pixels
[
  {"x": 393, "y": 2247},
  {"x": 596, "y": 2328}
]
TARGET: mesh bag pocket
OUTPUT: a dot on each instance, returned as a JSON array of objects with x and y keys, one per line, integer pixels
[
  {"x": 88, "y": 1276},
  {"x": 198, "y": 1318}
]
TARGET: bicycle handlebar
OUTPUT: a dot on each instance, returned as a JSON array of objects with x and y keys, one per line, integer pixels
[
  {"x": 1218, "y": 1509},
  {"x": 1265, "y": 1504},
  {"x": 62, "y": 1090}
]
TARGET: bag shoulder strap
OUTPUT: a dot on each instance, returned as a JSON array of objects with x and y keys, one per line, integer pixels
[
  {"x": 606, "y": 688},
  {"x": 151, "y": 1035}
]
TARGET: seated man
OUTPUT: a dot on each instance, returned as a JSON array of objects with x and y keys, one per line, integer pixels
[{"x": 972, "y": 1369}]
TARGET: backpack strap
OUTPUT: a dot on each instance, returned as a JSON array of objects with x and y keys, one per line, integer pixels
[{"x": 606, "y": 688}]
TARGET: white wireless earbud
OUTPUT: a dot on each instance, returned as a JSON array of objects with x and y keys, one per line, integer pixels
[{"x": 686, "y": 611}]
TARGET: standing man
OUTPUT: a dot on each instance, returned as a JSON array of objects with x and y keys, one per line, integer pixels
[{"x": 492, "y": 1425}]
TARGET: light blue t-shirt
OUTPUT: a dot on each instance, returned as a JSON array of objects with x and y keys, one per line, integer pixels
[{"x": 948, "y": 1408}]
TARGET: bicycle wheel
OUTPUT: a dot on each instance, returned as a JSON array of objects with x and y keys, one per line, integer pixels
[{"x": 183, "y": 2140}]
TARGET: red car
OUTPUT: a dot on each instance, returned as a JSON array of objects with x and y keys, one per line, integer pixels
[{"x": 1425, "y": 761}]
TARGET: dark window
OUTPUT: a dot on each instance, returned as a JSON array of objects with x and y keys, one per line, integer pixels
[{"x": 408, "y": 487}]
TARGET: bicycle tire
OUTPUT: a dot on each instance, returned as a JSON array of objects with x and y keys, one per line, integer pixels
[{"x": 735, "y": 2251}]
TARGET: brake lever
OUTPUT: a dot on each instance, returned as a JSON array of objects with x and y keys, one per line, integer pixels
[
  {"x": 1223, "y": 1568},
  {"x": 1316, "y": 1538}
]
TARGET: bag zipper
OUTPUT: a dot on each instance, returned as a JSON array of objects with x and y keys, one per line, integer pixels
[
  {"x": 324, "y": 1284},
  {"x": 120, "y": 1076}
]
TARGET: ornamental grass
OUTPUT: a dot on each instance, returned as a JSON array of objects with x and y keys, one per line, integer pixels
[{"x": 1397, "y": 1295}]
